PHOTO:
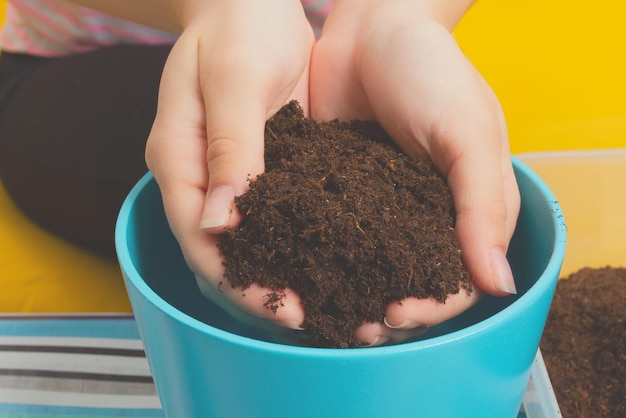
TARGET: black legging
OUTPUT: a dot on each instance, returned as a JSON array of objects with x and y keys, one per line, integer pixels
[{"x": 72, "y": 136}]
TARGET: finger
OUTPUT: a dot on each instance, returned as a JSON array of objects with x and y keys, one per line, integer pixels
[
  {"x": 413, "y": 317},
  {"x": 286, "y": 314},
  {"x": 175, "y": 152},
  {"x": 511, "y": 189},
  {"x": 373, "y": 334},
  {"x": 480, "y": 184},
  {"x": 412, "y": 312},
  {"x": 235, "y": 123},
  {"x": 238, "y": 101}
]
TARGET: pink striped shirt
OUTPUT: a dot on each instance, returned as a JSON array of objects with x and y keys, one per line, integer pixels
[
  {"x": 53, "y": 28},
  {"x": 316, "y": 11}
]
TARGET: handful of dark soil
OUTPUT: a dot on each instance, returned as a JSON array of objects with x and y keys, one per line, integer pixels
[{"x": 348, "y": 221}]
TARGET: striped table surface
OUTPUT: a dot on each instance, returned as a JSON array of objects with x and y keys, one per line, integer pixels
[
  {"x": 94, "y": 366},
  {"x": 74, "y": 366}
]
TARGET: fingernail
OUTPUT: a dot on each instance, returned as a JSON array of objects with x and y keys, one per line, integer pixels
[
  {"x": 501, "y": 272},
  {"x": 217, "y": 207},
  {"x": 379, "y": 340},
  {"x": 407, "y": 324}
]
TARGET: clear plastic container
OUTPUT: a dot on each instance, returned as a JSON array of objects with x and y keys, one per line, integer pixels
[
  {"x": 590, "y": 188},
  {"x": 539, "y": 400}
]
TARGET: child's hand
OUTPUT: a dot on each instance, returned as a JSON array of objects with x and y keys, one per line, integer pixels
[
  {"x": 235, "y": 64},
  {"x": 396, "y": 62}
]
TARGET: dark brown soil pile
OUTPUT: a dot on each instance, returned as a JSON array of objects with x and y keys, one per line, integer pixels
[
  {"x": 584, "y": 344},
  {"x": 346, "y": 220}
]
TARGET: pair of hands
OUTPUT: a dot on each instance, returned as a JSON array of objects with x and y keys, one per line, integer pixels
[{"x": 237, "y": 63}]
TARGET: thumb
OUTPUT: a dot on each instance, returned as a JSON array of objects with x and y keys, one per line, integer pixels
[
  {"x": 235, "y": 129},
  {"x": 486, "y": 207},
  {"x": 234, "y": 156},
  {"x": 239, "y": 99}
]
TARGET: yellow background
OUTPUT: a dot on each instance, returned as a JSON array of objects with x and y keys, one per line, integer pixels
[{"x": 558, "y": 67}]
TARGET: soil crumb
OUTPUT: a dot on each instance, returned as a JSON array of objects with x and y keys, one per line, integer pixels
[
  {"x": 348, "y": 221},
  {"x": 584, "y": 344}
]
